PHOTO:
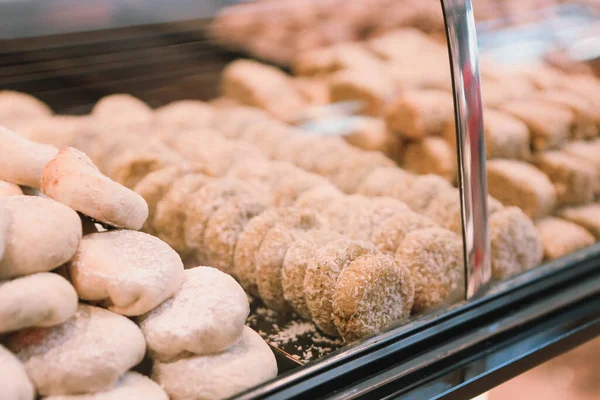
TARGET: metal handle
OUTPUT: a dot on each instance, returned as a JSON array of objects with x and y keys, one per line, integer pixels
[{"x": 470, "y": 140}]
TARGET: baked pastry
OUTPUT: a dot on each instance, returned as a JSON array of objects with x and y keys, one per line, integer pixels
[
  {"x": 434, "y": 259},
  {"x": 318, "y": 198},
  {"x": 38, "y": 300},
  {"x": 22, "y": 160},
  {"x": 14, "y": 381},
  {"x": 86, "y": 354},
  {"x": 367, "y": 87},
  {"x": 517, "y": 183},
  {"x": 5, "y": 221},
  {"x": 71, "y": 178},
  {"x": 370, "y": 293},
  {"x": 247, "y": 363},
  {"x": 123, "y": 108},
  {"x": 586, "y": 117},
  {"x": 184, "y": 114},
  {"x": 129, "y": 272},
  {"x": 587, "y": 215},
  {"x": 17, "y": 106},
  {"x": 390, "y": 233},
  {"x": 130, "y": 386},
  {"x": 322, "y": 275},
  {"x": 561, "y": 237},
  {"x": 205, "y": 316},
  {"x": 515, "y": 243},
  {"x": 432, "y": 155},
  {"x": 9, "y": 189},
  {"x": 573, "y": 179},
  {"x": 422, "y": 190},
  {"x": 325, "y": 61},
  {"x": 58, "y": 130},
  {"x": 385, "y": 181},
  {"x": 42, "y": 235}
]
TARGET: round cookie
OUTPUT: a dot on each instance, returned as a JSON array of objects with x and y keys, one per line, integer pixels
[
  {"x": 224, "y": 228},
  {"x": 205, "y": 316},
  {"x": 171, "y": 215},
  {"x": 515, "y": 242},
  {"x": 269, "y": 261},
  {"x": 14, "y": 381},
  {"x": 322, "y": 274},
  {"x": 185, "y": 114},
  {"x": 388, "y": 235},
  {"x": 129, "y": 387},
  {"x": 88, "y": 353},
  {"x": 22, "y": 160},
  {"x": 249, "y": 362},
  {"x": 9, "y": 189},
  {"x": 319, "y": 198},
  {"x": 71, "y": 178},
  {"x": 422, "y": 191},
  {"x": 153, "y": 187},
  {"x": 208, "y": 200},
  {"x": 16, "y": 106},
  {"x": 42, "y": 300},
  {"x": 43, "y": 235},
  {"x": 296, "y": 260},
  {"x": 122, "y": 108},
  {"x": 434, "y": 258},
  {"x": 371, "y": 293},
  {"x": 386, "y": 181},
  {"x": 129, "y": 272},
  {"x": 59, "y": 130},
  {"x": 250, "y": 241}
]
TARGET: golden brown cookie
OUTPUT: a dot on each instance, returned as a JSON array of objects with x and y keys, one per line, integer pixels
[
  {"x": 389, "y": 234},
  {"x": 561, "y": 237}
]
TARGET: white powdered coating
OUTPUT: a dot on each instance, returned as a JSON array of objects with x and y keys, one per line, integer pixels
[
  {"x": 130, "y": 272},
  {"x": 353, "y": 168},
  {"x": 516, "y": 244},
  {"x": 9, "y": 189},
  {"x": 207, "y": 201},
  {"x": 43, "y": 299},
  {"x": 319, "y": 198},
  {"x": 358, "y": 216},
  {"x": 43, "y": 234},
  {"x": 205, "y": 316},
  {"x": 322, "y": 274},
  {"x": 247, "y": 363},
  {"x": 372, "y": 292},
  {"x": 422, "y": 191},
  {"x": 22, "y": 160},
  {"x": 88, "y": 353},
  {"x": 170, "y": 216},
  {"x": 386, "y": 181},
  {"x": 388, "y": 235},
  {"x": 296, "y": 260},
  {"x": 434, "y": 258},
  {"x": 152, "y": 189},
  {"x": 225, "y": 227},
  {"x": 14, "y": 381},
  {"x": 131, "y": 386},
  {"x": 72, "y": 179}
]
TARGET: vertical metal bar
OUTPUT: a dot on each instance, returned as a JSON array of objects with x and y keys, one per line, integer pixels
[{"x": 468, "y": 110}]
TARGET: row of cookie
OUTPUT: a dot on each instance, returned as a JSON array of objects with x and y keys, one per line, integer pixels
[{"x": 153, "y": 274}]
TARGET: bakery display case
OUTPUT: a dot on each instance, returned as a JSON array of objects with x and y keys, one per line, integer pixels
[{"x": 406, "y": 191}]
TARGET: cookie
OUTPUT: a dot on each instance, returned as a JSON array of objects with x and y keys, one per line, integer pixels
[
  {"x": 389, "y": 234},
  {"x": 587, "y": 216},
  {"x": 371, "y": 293},
  {"x": 9, "y": 189},
  {"x": 434, "y": 258},
  {"x": 561, "y": 237},
  {"x": 322, "y": 274},
  {"x": 185, "y": 114},
  {"x": 122, "y": 108},
  {"x": 13, "y": 378},
  {"x": 318, "y": 198},
  {"x": 15, "y": 106},
  {"x": 72, "y": 179},
  {"x": 385, "y": 181},
  {"x": 86, "y": 354},
  {"x": 129, "y": 272},
  {"x": 205, "y": 316},
  {"x": 38, "y": 300},
  {"x": 432, "y": 155},
  {"x": 42, "y": 235}
]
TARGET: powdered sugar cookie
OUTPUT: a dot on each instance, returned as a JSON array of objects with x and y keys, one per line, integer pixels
[
  {"x": 247, "y": 363},
  {"x": 224, "y": 228},
  {"x": 153, "y": 187},
  {"x": 185, "y": 114},
  {"x": 72, "y": 179},
  {"x": 43, "y": 234},
  {"x": 59, "y": 130},
  {"x": 14, "y": 381},
  {"x": 351, "y": 170},
  {"x": 269, "y": 261},
  {"x": 207, "y": 201},
  {"x": 88, "y": 353},
  {"x": 372, "y": 292},
  {"x": 22, "y": 160},
  {"x": 205, "y": 316},
  {"x": 422, "y": 191},
  {"x": 296, "y": 260},
  {"x": 42, "y": 300},
  {"x": 434, "y": 258},
  {"x": 250, "y": 241},
  {"x": 322, "y": 274},
  {"x": 5, "y": 220},
  {"x": 130, "y": 386},
  {"x": 318, "y": 198},
  {"x": 516, "y": 244},
  {"x": 15, "y": 106},
  {"x": 386, "y": 181},
  {"x": 388, "y": 235},
  {"x": 122, "y": 108},
  {"x": 129, "y": 272},
  {"x": 171, "y": 209},
  {"x": 9, "y": 189}
]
